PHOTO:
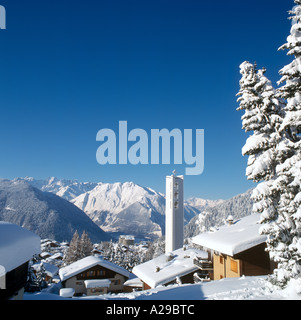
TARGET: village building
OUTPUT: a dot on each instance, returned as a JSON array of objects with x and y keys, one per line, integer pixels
[
  {"x": 51, "y": 271},
  {"x": 17, "y": 248},
  {"x": 45, "y": 255},
  {"x": 79, "y": 276},
  {"x": 127, "y": 240},
  {"x": 48, "y": 243},
  {"x": 177, "y": 266},
  {"x": 236, "y": 248},
  {"x": 96, "y": 251}
]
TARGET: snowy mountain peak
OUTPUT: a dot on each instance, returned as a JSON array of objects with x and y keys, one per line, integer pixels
[
  {"x": 67, "y": 189},
  {"x": 112, "y": 197}
]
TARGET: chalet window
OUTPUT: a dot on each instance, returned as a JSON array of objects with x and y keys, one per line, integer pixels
[
  {"x": 234, "y": 266},
  {"x": 79, "y": 283},
  {"x": 221, "y": 260},
  {"x": 117, "y": 282},
  {"x": 97, "y": 290},
  {"x": 93, "y": 274}
]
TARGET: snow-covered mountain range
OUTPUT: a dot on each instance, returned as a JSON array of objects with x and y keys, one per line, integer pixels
[
  {"x": 44, "y": 213},
  {"x": 118, "y": 207},
  {"x": 127, "y": 208},
  {"x": 124, "y": 207},
  {"x": 216, "y": 215},
  {"x": 66, "y": 189}
]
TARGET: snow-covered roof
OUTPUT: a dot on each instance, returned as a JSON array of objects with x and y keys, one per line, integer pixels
[
  {"x": 17, "y": 245},
  {"x": 45, "y": 254},
  {"x": 232, "y": 239},
  {"x": 167, "y": 267},
  {"x": 134, "y": 282},
  {"x": 97, "y": 283},
  {"x": 50, "y": 269},
  {"x": 58, "y": 255},
  {"x": 87, "y": 263},
  {"x": 127, "y": 237}
]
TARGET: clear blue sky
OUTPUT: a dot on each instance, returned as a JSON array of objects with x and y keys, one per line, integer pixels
[{"x": 71, "y": 68}]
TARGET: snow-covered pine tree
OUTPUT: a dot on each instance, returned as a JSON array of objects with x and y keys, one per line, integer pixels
[
  {"x": 263, "y": 116},
  {"x": 119, "y": 255},
  {"x": 74, "y": 252},
  {"x": 41, "y": 275},
  {"x": 86, "y": 245},
  {"x": 32, "y": 284},
  {"x": 288, "y": 254},
  {"x": 291, "y": 77},
  {"x": 35, "y": 279},
  {"x": 106, "y": 248}
]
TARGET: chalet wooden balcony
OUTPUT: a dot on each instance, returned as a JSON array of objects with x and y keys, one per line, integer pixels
[{"x": 203, "y": 264}]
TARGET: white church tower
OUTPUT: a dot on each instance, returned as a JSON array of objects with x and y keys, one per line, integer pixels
[{"x": 174, "y": 213}]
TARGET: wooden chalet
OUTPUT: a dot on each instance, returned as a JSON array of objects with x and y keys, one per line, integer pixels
[
  {"x": 236, "y": 249},
  {"x": 79, "y": 276}
]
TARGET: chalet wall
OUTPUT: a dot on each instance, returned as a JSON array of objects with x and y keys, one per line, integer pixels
[
  {"x": 188, "y": 278},
  {"x": 96, "y": 272},
  {"x": 256, "y": 261},
  {"x": 117, "y": 283},
  {"x": 218, "y": 267},
  {"x": 145, "y": 286},
  {"x": 226, "y": 267},
  {"x": 132, "y": 288},
  {"x": 77, "y": 285},
  {"x": 233, "y": 267},
  {"x": 96, "y": 291},
  {"x": 252, "y": 262}
]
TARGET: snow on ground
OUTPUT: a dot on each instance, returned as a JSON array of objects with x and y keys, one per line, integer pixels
[{"x": 244, "y": 288}]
